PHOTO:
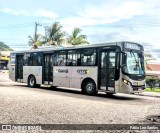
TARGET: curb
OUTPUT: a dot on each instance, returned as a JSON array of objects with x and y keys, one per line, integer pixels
[{"x": 152, "y": 94}]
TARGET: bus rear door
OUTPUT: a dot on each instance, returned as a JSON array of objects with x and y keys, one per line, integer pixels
[
  {"x": 19, "y": 68},
  {"x": 48, "y": 69}
]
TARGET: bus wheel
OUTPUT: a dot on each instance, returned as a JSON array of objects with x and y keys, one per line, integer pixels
[
  {"x": 32, "y": 82},
  {"x": 89, "y": 88}
]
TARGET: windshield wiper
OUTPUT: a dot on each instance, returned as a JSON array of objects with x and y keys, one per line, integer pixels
[{"x": 137, "y": 64}]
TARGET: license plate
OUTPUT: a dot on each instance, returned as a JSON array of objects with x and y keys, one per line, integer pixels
[{"x": 139, "y": 89}]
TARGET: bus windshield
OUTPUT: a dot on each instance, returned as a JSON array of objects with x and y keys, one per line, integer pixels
[{"x": 133, "y": 63}]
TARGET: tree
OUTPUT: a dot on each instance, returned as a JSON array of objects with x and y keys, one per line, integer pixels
[
  {"x": 151, "y": 82},
  {"x": 54, "y": 35},
  {"x": 76, "y": 38},
  {"x": 4, "y": 47},
  {"x": 34, "y": 42},
  {"x": 148, "y": 57}
]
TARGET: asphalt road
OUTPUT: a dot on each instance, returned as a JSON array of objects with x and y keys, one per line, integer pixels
[{"x": 22, "y": 105}]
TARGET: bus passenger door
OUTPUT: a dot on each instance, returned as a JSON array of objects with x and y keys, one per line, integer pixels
[
  {"x": 107, "y": 70},
  {"x": 19, "y": 69},
  {"x": 48, "y": 69}
]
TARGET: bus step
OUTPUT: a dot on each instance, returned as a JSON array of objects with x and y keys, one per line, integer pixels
[{"x": 107, "y": 91}]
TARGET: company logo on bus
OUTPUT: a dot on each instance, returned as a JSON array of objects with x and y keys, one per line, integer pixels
[
  {"x": 80, "y": 71},
  {"x": 62, "y": 70}
]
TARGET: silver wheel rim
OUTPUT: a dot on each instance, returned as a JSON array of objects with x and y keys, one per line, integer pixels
[
  {"x": 89, "y": 87},
  {"x": 32, "y": 81}
]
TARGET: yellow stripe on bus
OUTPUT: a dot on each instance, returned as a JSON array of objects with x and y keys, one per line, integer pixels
[{"x": 4, "y": 58}]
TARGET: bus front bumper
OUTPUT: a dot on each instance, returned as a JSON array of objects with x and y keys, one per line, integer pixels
[
  {"x": 130, "y": 89},
  {"x": 138, "y": 89}
]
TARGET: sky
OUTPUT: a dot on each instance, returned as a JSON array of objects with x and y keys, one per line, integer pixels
[{"x": 101, "y": 20}]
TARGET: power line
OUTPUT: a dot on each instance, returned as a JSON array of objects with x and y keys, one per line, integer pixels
[
  {"x": 15, "y": 43},
  {"x": 112, "y": 25},
  {"x": 17, "y": 24}
]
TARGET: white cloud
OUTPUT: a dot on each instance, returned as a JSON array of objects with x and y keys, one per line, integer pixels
[
  {"x": 14, "y": 12},
  {"x": 47, "y": 14},
  {"x": 106, "y": 13},
  {"x": 110, "y": 12},
  {"x": 38, "y": 13}
]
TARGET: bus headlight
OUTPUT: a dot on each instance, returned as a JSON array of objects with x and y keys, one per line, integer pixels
[{"x": 126, "y": 82}]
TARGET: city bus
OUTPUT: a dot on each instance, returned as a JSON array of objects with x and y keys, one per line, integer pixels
[{"x": 116, "y": 67}]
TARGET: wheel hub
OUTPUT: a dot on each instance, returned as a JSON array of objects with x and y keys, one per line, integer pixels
[
  {"x": 31, "y": 81},
  {"x": 89, "y": 87}
]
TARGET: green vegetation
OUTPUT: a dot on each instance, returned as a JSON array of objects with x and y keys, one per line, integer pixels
[
  {"x": 148, "y": 57},
  {"x": 56, "y": 36},
  {"x": 153, "y": 90},
  {"x": 32, "y": 41},
  {"x": 76, "y": 38},
  {"x": 151, "y": 82},
  {"x": 4, "y": 47}
]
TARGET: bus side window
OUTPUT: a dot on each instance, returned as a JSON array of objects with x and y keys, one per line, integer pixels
[
  {"x": 27, "y": 59},
  {"x": 60, "y": 58},
  {"x": 88, "y": 57},
  {"x": 36, "y": 59},
  {"x": 32, "y": 59},
  {"x": 73, "y": 58}
]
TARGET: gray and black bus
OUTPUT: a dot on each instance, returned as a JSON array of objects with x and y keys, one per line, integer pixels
[{"x": 116, "y": 67}]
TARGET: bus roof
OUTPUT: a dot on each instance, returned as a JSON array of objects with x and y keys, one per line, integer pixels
[{"x": 55, "y": 48}]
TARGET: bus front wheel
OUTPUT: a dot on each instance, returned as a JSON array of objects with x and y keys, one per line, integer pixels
[
  {"x": 89, "y": 88},
  {"x": 32, "y": 82}
]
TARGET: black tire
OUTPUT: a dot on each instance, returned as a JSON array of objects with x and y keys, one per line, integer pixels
[
  {"x": 109, "y": 94},
  {"x": 32, "y": 82},
  {"x": 89, "y": 87},
  {"x": 38, "y": 86},
  {"x": 53, "y": 87}
]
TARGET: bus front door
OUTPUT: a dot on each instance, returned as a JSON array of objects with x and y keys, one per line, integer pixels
[
  {"x": 48, "y": 69},
  {"x": 107, "y": 70},
  {"x": 19, "y": 69}
]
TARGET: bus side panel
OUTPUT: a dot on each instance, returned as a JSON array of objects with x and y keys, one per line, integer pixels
[
  {"x": 80, "y": 73},
  {"x": 26, "y": 73},
  {"x": 73, "y": 76},
  {"x": 12, "y": 74},
  {"x": 75, "y": 83},
  {"x": 61, "y": 76},
  {"x": 117, "y": 86},
  {"x": 32, "y": 70}
]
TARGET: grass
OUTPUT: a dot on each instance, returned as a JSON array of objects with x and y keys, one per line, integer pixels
[{"x": 154, "y": 90}]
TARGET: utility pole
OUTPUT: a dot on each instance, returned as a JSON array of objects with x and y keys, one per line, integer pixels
[
  {"x": 46, "y": 28},
  {"x": 35, "y": 35}
]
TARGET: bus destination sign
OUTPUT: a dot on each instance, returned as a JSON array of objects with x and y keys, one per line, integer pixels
[{"x": 132, "y": 46}]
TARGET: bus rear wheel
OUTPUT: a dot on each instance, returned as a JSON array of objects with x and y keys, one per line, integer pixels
[
  {"x": 32, "y": 82},
  {"x": 89, "y": 88}
]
